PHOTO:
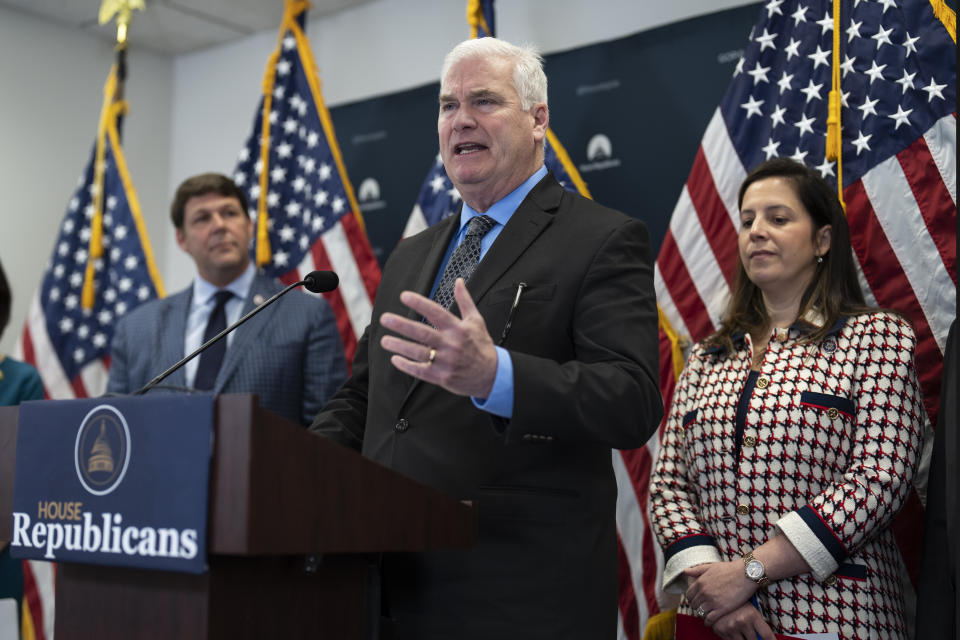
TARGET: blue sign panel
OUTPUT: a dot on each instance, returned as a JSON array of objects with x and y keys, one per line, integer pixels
[{"x": 114, "y": 481}]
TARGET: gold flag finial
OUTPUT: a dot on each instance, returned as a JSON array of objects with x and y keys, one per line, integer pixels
[{"x": 122, "y": 9}]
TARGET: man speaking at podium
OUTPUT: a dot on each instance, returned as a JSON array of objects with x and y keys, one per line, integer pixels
[
  {"x": 290, "y": 354},
  {"x": 512, "y": 389}
]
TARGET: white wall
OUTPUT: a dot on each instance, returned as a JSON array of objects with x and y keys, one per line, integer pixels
[
  {"x": 192, "y": 113},
  {"x": 51, "y": 88}
]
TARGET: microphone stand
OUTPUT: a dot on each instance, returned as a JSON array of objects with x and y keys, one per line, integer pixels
[{"x": 205, "y": 345}]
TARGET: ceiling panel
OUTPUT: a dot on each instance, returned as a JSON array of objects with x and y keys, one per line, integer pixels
[{"x": 175, "y": 26}]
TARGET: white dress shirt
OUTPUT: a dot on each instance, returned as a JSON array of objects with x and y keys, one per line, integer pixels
[{"x": 201, "y": 306}]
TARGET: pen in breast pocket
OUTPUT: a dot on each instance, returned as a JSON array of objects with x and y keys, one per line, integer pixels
[{"x": 513, "y": 312}]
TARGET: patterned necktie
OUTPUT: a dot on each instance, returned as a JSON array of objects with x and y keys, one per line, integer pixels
[
  {"x": 212, "y": 358},
  {"x": 464, "y": 260}
]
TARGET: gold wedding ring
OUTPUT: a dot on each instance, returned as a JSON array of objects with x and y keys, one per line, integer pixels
[{"x": 431, "y": 355}]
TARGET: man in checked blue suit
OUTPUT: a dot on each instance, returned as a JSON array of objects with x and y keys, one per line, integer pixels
[{"x": 290, "y": 354}]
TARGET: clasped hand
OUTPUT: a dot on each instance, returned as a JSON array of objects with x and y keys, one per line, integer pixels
[
  {"x": 723, "y": 592},
  {"x": 454, "y": 353}
]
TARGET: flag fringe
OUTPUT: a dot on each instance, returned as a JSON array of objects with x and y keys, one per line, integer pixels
[
  {"x": 135, "y": 212},
  {"x": 567, "y": 163},
  {"x": 111, "y": 109},
  {"x": 107, "y": 133},
  {"x": 946, "y": 16},
  {"x": 677, "y": 343},
  {"x": 263, "y": 230},
  {"x": 661, "y": 626},
  {"x": 834, "y": 142},
  {"x": 476, "y": 20},
  {"x": 313, "y": 78},
  {"x": 27, "y": 632}
]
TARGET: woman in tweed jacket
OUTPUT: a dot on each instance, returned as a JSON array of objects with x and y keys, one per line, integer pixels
[{"x": 794, "y": 435}]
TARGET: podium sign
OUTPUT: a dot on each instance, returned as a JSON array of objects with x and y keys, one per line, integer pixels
[{"x": 114, "y": 481}]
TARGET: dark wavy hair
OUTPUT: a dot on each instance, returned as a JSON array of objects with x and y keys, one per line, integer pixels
[
  {"x": 834, "y": 290},
  {"x": 201, "y": 185}
]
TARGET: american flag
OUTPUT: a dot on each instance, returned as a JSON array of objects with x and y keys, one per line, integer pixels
[
  {"x": 66, "y": 337},
  {"x": 640, "y": 561},
  {"x": 439, "y": 199},
  {"x": 69, "y": 341},
  {"x": 897, "y": 66},
  {"x": 306, "y": 212}
]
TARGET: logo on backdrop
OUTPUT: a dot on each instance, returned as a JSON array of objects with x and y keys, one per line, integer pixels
[
  {"x": 368, "y": 195},
  {"x": 599, "y": 155},
  {"x": 102, "y": 451}
]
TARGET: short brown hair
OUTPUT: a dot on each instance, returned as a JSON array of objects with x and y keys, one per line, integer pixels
[{"x": 200, "y": 185}]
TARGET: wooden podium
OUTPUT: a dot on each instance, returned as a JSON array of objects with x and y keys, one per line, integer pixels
[{"x": 295, "y": 526}]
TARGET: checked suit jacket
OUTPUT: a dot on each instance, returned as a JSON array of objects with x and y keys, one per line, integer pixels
[
  {"x": 583, "y": 343},
  {"x": 289, "y": 354}
]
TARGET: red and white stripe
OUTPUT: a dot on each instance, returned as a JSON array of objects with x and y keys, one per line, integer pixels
[
  {"x": 344, "y": 248},
  {"x": 39, "y": 581},
  {"x": 640, "y": 558},
  {"x": 35, "y": 347}
]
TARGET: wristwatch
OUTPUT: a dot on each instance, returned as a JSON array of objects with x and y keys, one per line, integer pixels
[{"x": 755, "y": 570}]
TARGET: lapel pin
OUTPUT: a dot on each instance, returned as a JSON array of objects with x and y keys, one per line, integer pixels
[{"x": 258, "y": 300}]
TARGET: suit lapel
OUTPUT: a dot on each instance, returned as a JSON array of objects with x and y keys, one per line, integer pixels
[
  {"x": 530, "y": 219},
  {"x": 533, "y": 215},
  {"x": 446, "y": 229},
  {"x": 174, "y": 324},
  {"x": 431, "y": 264},
  {"x": 261, "y": 288}
]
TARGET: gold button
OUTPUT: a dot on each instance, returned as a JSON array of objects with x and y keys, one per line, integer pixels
[
  {"x": 762, "y": 383},
  {"x": 742, "y": 510},
  {"x": 749, "y": 441},
  {"x": 832, "y": 580},
  {"x": 833, "y": 413},
  {"x": 782, "y": 335}
]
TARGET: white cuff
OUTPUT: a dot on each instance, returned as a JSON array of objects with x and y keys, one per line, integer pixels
[
  {"x": 673, "y": 579},
  {"x": 808, "y": 545}
]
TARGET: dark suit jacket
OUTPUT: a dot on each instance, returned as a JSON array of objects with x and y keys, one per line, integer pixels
[
  {"x": 289, "y": 354},
  {"x": 938, "y": 597},
  {"x": 584, "y": 350}
]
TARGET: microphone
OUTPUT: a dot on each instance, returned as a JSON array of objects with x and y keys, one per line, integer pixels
[
  {"x": 321, "y": 281},
  {"x": 315, "y": 281}
]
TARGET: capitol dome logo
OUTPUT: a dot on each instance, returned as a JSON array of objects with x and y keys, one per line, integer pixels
[{"x": 102, "y": 451}]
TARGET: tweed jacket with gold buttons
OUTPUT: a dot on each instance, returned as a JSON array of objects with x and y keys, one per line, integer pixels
[{"x": 820, "y": 445}]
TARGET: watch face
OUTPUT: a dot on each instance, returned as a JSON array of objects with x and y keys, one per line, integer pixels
[{"x": 754, "y": 569}]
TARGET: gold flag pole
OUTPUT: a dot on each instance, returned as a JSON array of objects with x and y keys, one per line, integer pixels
[{"x": 113, "y": 105}]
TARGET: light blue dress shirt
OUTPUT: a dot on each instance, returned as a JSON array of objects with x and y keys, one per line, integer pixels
[
  {"x": 201, "y": 306},
  {"x": 500, "y": 401}
]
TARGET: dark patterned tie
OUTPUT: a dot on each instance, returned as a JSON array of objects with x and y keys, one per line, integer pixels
[
  {"x": 212, "y": 358},
  {"x": 464, "y": 260}
]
